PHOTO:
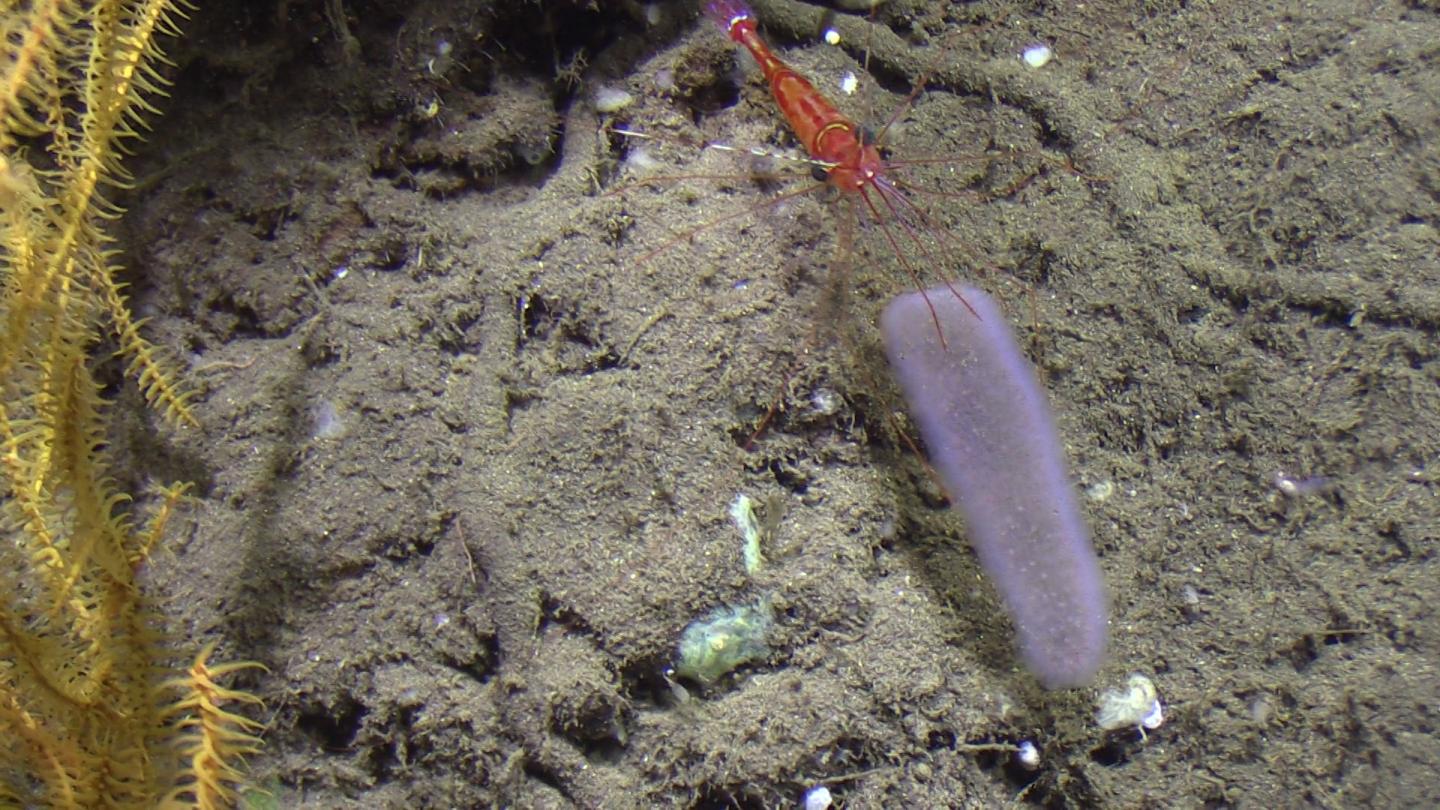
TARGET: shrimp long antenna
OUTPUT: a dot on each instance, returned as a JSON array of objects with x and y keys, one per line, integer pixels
[
  {"x": 753, "y": 151},
  {"x": 699, "y": 229},
  {"x": 914, "y": 276},
  {"x": 889, "y": 195},
  {"x": 928, "y": 221}
]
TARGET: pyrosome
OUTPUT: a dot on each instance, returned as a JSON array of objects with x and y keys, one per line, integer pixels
[{"x": 989, "y": 433}]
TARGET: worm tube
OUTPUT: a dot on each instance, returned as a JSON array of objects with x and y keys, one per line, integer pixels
[{"x": 989, "y": 433}]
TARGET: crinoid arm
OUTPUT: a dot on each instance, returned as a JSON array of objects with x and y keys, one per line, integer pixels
[
  {"x": 213, "y": 739},
  {"x": 83, "y": 652}
]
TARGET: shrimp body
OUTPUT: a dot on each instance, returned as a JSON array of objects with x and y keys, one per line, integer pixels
[
  {"x": 852, "y": 164},
  {"x": 827, "y": 134}
]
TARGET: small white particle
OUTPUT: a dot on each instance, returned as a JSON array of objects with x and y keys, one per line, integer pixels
[
  {"x": 1292, "y": 487},
  {"x": 848, "y": 83},
  {"x": 1028, "y": 755},
  {"x": 825, "y": 401},
  {"x": 1286, "y": 485},
  {"x": 1037, "y": 56},
  {"x": 832, "y": 37},
  {"x": 818, "y": 798}
]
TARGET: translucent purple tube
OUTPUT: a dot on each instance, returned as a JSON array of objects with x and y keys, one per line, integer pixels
[{"x": 987, "y": 426}]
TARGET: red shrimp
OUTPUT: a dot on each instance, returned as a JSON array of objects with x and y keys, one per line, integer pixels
[{"x": 852, "y": 164}]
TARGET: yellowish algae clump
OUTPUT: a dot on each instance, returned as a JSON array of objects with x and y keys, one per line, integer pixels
[{"x": 712, "y": 647}]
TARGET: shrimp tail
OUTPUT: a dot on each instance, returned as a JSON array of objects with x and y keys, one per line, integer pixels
[{"x": 727, "y": 12}]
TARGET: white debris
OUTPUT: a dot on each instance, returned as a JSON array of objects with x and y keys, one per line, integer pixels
[
  {"x": 742, "y": 511},
  {"x": 848, "y": 83},
  {"x": 818, "y": 798},
  {"x": 639, "y": 160},
  {"x": 1261, "y": 710},
  {"x": 326, "y": 421},
  {"x": 1037, "y": 56},
  {"x": 1136, "y": 706},
  {"x": 825, "y": 401},
  {"x": 1028, "y": 756},
  {"x": 612, "y": 99}
]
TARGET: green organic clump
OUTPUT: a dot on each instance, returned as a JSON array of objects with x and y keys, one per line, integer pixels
[{"x": 712, "y": 647}]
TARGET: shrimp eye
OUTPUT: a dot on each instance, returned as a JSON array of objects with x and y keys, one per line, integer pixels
[{"x": 820, "y": 173}]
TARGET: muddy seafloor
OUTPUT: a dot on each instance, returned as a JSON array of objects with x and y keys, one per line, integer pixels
[{"x": 471, "y": 426}]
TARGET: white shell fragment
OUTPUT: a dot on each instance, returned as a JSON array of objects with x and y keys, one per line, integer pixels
[
  {"x": 848, "y": 83},
  {"x": 1155, "y": 717},
  {"x": 1037, "y": 56},
  {"x": 1136, "y": 706}
]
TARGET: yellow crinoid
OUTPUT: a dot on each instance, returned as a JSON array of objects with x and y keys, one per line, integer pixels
[{"x": 87, "y": 715}]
